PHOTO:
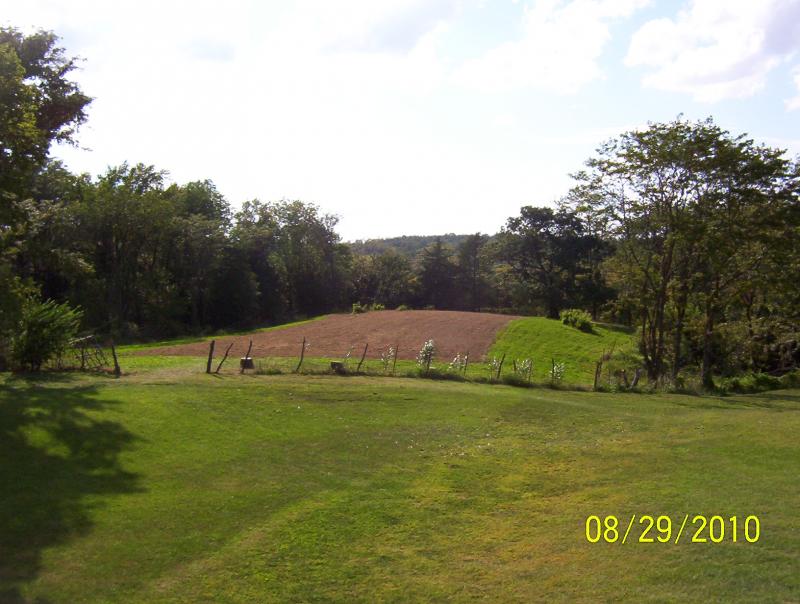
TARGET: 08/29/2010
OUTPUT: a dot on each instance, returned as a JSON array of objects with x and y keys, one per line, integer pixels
[{"x": 661, "y": 529}]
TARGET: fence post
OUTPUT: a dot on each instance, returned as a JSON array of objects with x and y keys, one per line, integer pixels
[
  {"x": 210, "y": 356},
  {"x": 302, "y": 355},
  {"x": 227, "y": 350},
  {"x": 117, "y": 370},
  {"x": 363, "y": 356}
]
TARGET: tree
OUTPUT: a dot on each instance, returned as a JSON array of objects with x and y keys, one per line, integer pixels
[
  {"x": 692, "y": 211},
  {"x": 44, "y": 333},
  {"x": 550, "y": 254},
  {"x": 436, "y": 275},
  {"x": 395, "y": 279},
  {"x": 473, "y": 266},
  {"x": 38, "y": 105}
]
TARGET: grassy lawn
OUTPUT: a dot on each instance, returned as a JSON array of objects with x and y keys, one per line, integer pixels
[
  {"x": 543, "y": 340},
  {"x": 170, "y": 485}
]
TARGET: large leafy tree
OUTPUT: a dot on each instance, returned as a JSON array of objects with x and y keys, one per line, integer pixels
[
  {"x": 39, "y": 105},
  {"x": 693, "y": 212},
  {"x": 552, "y": 257}
]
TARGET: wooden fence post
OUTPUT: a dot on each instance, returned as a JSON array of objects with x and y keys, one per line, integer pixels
[
  {"x": 363, "y": 356},
  {"x": 227, "y": 350},
  {"x": 394, "y": 361},
  {"x": 500, "y": 367},
  {"x": 302, "y": 355},
  {"x": 210, "y": 356},
  {"x": 117, "y": 370}
]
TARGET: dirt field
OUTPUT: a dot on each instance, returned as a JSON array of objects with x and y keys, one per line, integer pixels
[{"x": 453, "y": 332}]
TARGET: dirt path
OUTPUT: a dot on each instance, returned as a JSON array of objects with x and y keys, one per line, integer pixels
[{"x": 453, "y": 332}]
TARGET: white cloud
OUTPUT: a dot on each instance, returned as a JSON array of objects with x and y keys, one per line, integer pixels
[
  {"x": 794, "y": 103},
  {"x": 717, "y": 49},
  {"x": 559, "y": 50}
]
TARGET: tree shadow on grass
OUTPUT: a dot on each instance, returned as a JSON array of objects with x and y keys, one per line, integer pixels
[
  {"x": 776, "y": 401},
  {"x": 53, "y": 456}
]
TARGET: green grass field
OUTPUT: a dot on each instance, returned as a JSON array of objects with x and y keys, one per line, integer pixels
[
  {"x": 544, "y": 340},
  {"x": 169, "y": 485}
]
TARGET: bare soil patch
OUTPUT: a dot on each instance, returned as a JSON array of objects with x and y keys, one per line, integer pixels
[{"x": 453, "y": 332}]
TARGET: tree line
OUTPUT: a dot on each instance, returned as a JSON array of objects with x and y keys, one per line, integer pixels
[{"x": 681, "y": 230}]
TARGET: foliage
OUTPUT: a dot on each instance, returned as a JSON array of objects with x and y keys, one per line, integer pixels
[
  {"x": 426, "y": 355},
  {"x": 40, "y": 104},
  {"x": 575, "y": 317},
  {"x": 553, "y": 259},
  {"x": 523, "y": 368},
  {"x": 760, "y": 382},
  {"x": 358, "y": 308},
  {"x": 458, "y": 364},
  {"x": 388, "y": 358},
  {"x": 557, "y": 371},
  {"x": 43, "y": 334},
  {"x": 696, "y": 214},
  {"x": 493, "y": 364},
  {"x": 437, "y": 275}
]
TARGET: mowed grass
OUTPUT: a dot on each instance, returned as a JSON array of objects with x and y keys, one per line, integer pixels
[
  {"x": 169, "y": 485},
  {"x": 544, "y": 340}
]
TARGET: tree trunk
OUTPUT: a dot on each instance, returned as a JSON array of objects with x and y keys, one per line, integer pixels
[{"x": 705, "y": 372}]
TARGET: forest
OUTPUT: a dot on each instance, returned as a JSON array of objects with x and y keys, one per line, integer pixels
[{"x": 684, "y": 231}]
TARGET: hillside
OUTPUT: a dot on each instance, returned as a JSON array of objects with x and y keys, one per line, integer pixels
[
  {"x": 544, "y": 340},
  {"x": 409, "y": 245}
]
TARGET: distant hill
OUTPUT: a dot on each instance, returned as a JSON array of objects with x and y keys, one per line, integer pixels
[{"x": 409, "y": 245}]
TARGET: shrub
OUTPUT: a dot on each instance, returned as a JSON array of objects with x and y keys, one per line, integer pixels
[
  {"x": 403, "y": 307},
  {"x": 377, "y": 306},
  {"x": 574, "y": 317},
  {"x": 388, "y": 358},
  {"x": 557, "y": 372},
  {"x": 44, "y": 333},
  {"x": 494, "y": 365},
  {"x": 523, "y": 369},
  {"x": 458, "y": 364},
  {"x": 426, "y": 355},
  {"x": 358, "y": 308}
]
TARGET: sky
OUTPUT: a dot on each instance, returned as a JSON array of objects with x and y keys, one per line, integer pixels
[{"x": 411, "y": 116}]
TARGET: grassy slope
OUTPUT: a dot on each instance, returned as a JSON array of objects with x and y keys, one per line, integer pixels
[
  {"x": 544, "y": 339},
  {"x": 170, "y": 485}
]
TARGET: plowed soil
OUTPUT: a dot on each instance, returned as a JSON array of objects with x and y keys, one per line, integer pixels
[{"x": 453, "y": 332}]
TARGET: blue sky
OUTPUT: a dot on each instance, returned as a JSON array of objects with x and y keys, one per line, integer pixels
[{"x": 412, "y": 116}]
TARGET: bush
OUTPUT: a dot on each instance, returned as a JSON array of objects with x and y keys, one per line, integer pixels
[
  {"x": 426, "y": 356},
  {"x": 760, "y": 382},
  {"x": 377, "y": 306},
  {"x": 44, "y": 333},
  {"x": 574, "y": 317},
  {"x": 358, "y": 308},
  {"x": 403, "y": 307}
]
